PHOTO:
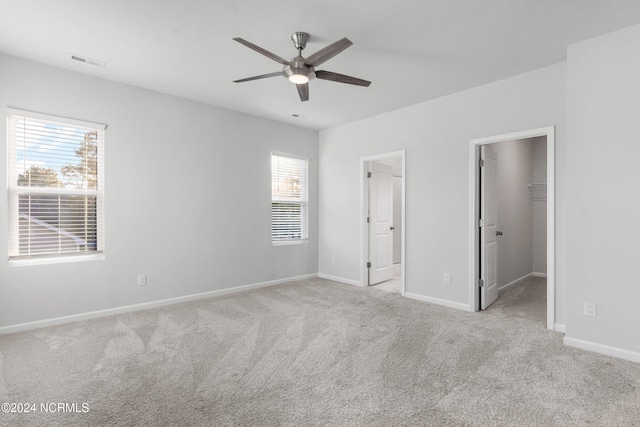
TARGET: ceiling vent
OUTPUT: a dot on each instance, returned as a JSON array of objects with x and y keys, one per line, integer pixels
[{"x": 87, "y": 61}]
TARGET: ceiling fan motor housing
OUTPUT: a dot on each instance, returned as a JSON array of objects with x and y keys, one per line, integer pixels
[{"x": 298, "y": 67}]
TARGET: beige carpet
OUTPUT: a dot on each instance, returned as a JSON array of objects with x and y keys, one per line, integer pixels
[{"x": 317, "y": 353}]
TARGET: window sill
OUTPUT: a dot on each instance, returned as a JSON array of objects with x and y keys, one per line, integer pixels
[
  {"x": 289, "y": 242},
  {"x": 55, "y": 260}
]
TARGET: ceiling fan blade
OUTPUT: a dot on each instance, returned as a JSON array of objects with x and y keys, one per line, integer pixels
[
  {"x": 328, "y": 52},
  {"x": 341, "y": 78},
  {"x": 261, "y": 76},
  {"x": 265, "y": 52},
  {"x": 303, "y": 91}
]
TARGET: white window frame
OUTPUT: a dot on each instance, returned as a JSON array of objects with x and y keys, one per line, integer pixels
[
  {"x": 304, "y": 203},
  {"x": 13, "y": 192}
]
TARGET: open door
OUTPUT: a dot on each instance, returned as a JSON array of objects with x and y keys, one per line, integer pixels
[
  {"x": 489, "y": 226},
  {"x": 479, "y": 266},
  {"x": 380, "y": 264}
]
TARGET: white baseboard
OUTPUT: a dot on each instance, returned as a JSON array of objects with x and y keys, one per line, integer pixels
[
  {"x": 438, "y": 301},
  {"x": 620, "y": 353},
  {"x": 515, "y": 282},
  {"x": 339, "y": 279},
  {"x": 539, "y": 274},
  {"x": 145, "y": 305},
  {"x": 559, "y": 327}
]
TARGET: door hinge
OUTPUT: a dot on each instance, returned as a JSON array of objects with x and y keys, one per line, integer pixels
[
  {"x": 480, "y": 222},
  {"x": 481, "y": 163},
  {"x": 368, "y": 265},
  {"x": 481, "y": 283},
  {"x": 368, "y": 174},
  {"x": 368, "y": 219}
]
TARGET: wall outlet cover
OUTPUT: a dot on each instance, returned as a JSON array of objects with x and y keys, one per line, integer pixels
[{"x": 590, "y": 309}]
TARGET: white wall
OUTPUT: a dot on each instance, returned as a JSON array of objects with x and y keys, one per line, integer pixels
[
  {"x": 515, "y": 210},
  {"x": 436, "y": 137},
  {"x": 539, "y": 175},
  {"x": 603, "y": 190},
  {"x": 187, "y": 203}
]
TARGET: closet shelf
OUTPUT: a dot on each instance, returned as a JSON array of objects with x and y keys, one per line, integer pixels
[{"x": 538, "y": 191}]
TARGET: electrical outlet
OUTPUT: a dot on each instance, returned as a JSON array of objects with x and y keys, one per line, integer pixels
[
  {"x": 333, "y": 259},
  {"x": 590, "y": 309},
  {"x": 447, "y": 279},
  {"x": 142, "y": 280}
]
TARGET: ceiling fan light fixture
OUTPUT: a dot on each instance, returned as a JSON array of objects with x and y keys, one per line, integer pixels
[
  {"x": 299, "y": 79},
  {"x": 297, "y": 72}
]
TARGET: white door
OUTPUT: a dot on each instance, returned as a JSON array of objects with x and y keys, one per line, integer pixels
[
  {"x": 380, "y": 223},
  {"x": 489, "y": 228}
]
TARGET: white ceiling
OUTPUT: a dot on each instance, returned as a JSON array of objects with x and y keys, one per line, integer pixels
[{"x": 412, "y": 50}]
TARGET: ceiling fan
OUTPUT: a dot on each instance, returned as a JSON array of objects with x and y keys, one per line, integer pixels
[{"x": 300, "y": 70}]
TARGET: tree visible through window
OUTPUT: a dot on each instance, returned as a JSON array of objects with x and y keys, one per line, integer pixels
[
  {"x": 55, "y": 191},
  {"x": 289, "y": 218}
]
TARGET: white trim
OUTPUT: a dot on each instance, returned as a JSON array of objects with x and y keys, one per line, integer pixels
[
  {"x": 474, "y": 144},
  {"x": 524, "y": 134},
  {"x": 341, "y": 280},
  {"x": 57, "y": 119},
  {"x": 515, "y": 282},
  {"x": 145, "y": 305},
  {"x": 289, "y": 242},
  {"x": 620, "y": 353},
  {"x": 438, "y": 301},
  {"x": 55, "y": 259},
  {"x": 293, "y": 156},
  {"x": 539, "y": 274},
  {"x": 363, "y": 209},
  {"x": 559, "y": 327}
]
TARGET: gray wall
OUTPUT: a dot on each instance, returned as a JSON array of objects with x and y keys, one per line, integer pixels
[
  {"x": 187, "y": 203},
  {"x": 539, "y": 206},
  {"x": 397, "y": 219},
  {"x": 603, "y": 190},
  {"x": 522, "y": 248},
  {"x": 436, "y": 136},
  {"x": 515, "y": 210}
]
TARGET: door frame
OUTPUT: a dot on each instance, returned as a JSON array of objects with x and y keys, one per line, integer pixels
[
  {"x": 364, "y": 200},
  {"x": 474, "y": 214}
]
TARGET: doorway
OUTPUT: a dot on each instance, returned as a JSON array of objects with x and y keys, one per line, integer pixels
[
  {"x": 485, "y": 232},
  {"x": 383, "y": 221}
]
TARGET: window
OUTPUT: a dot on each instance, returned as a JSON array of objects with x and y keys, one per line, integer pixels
[
  {"x": 56, "y": 186},
  {"x": 289, "y": 218}
]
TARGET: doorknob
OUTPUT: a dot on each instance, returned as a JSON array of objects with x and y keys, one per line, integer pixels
[
  {"x": 498, "y": 233},
  {"x": 392, "y": 228}
]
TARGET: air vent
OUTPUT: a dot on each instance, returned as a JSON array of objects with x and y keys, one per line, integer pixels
[{"x": 88, "y": 61}]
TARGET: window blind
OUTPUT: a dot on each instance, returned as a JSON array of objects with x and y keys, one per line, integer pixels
[
  {"x": 289, "y": 198},
  {"x": 56, "y": 190}
]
